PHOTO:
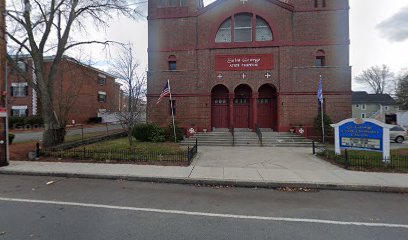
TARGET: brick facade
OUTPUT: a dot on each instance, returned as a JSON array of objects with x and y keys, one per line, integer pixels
[
  {"x": 301, "y": 32},
  {"x": 76, "y": 83},
  {"x": 3, "y": 49}
]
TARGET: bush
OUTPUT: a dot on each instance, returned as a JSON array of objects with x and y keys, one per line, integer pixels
[
  {"x": 30, "y": 121},
  {"x": 147, "y": 132},
  {"x": 94, "y": 120},
  {"x": 328, "y": 130},
  {"x": 11, "y": 138},
  {"x": 169, "y": 132}
]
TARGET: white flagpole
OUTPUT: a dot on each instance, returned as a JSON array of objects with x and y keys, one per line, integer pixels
[
  {"x": 172, "y": 114},
  {"x": 321, "y": 109}
]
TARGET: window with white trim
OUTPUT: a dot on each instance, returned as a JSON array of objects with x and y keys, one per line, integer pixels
[
  {"x": 101, "y": 96},
  {"x": 363, "y": 107},
  {"x": 19, "y": 89},
  {"x": 386, "y": 108},
  {"x": 19, "y": 111},
  {"x": 363, "y": 115}
]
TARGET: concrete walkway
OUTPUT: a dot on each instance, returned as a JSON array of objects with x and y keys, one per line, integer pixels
[{"x": 238, "y": 166}]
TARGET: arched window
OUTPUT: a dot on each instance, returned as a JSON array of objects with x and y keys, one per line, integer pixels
[
  {"x": 263, "y": 31},
  {"x": 224, "y": 32},
  {"x": 244, "y": 28},
  {"x": 320, "y": 58},
  {"x": 172, "y": 63}
]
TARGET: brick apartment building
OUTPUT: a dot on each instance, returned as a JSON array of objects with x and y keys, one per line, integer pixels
[
  {"x": 3, "y": 49},
  {"x": 88, "y": 90},
  {"x": 248, "y": 63}
]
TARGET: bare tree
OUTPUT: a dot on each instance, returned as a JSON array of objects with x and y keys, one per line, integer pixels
[
  {"x": 402, "y": 91},
  {"x": 126, "y": 69},
  {"x": 378, "y": 78},
  {"x": 43, "y": 27}
]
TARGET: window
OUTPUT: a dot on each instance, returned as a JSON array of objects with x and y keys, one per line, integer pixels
[
  {"x": 22, "y": 66},
  {"x": 224, "y": 32},
  {"x": 173, "y": 3},
  {"x": 320, "y": 59},
  {"x": 172, "y": 106},
  {"x": 316, "y": 4},
  {"x": 397, "y": 128},
  {"x": 101, "y": 80},
  {"x": 172, "y": 63},
  {"x": 363, "y": 107},
  {"x": 19, "y": 111},
  {"x": 323, "y": 3},
  {"x": 101, "y": 96},
  {"x": 244, "y": 29},
  {"x": 263, "y": 31},
  {"x": 19, "y": 89},
  {"x": 363, "y": 115},
  {"x": 357, "y": 106},
  {"x": 386, "y": 108}
]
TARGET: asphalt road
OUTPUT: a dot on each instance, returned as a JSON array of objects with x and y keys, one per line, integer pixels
[
  {"x": 104, "y": 209},
  {"x": 32, "y": 136}
]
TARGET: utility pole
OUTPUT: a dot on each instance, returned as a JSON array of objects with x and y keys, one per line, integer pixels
[{"x": 4, "y": 153}]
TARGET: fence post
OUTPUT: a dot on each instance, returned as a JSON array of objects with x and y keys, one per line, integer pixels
[
  {"x": 196, "y": 145},
  {"x": 347, "y": 160},
  {"x": 37, "y": 150},
  {"x": 188, "y": 154},
  {"x": 313, "y": 146}
]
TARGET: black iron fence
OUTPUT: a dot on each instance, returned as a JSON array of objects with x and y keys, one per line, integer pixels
[
  {"x": 363, "y": 160},
  {"x": 106, "y": 155}
]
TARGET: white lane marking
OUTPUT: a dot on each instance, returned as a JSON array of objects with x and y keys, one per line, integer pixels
[{"x": 204, "y": 214}]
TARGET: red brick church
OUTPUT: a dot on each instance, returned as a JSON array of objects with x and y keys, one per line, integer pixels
[{"x": 248, "y": 63}]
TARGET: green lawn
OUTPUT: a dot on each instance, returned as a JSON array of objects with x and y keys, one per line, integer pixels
[{"x": 141, "y": 147}]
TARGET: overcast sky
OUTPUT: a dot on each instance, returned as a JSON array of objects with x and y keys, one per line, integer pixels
[{"x": 378, "y": 34}]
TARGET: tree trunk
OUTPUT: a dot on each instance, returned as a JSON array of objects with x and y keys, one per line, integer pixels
[{"x": 54, "y": 132}]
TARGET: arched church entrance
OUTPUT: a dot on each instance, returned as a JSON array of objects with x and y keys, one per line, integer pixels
[
  {"x": 242, "y": 106},
  {"x": 267, "y": 107},
  {"x": 219, "y": 107}
]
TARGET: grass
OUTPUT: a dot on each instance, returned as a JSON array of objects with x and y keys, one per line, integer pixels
[
  {"x": 369, "y": 161},
  {"x": 119, "y": 150},
  {"x": 141, "y": 147}
]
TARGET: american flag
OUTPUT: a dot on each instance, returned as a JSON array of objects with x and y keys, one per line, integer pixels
[
  {"x": 320, "y": 91},
  {"x": 165, "y": 92}
]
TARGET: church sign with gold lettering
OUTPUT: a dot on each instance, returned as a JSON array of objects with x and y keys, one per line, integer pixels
[{"x": 363, "y": 134}]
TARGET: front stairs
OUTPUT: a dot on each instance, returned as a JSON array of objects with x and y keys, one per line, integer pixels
[{"x": 246, "y": 137}]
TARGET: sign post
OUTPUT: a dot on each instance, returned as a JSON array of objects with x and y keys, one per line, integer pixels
[
  {"x": 3, "y": 137},
  {"x": 363, "y": 134}
]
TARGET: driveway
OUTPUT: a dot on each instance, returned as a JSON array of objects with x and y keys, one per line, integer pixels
[{"x": 260, "y": 158}]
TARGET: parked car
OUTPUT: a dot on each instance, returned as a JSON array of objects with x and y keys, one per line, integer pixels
[{"x": 398, "y": 134}]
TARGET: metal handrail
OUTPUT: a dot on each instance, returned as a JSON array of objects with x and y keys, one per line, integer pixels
[
  {"x": 233, "y": 136},
  {"x": 259, "y": 133}
]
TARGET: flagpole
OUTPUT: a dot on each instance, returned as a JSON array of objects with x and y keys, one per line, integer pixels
[
  {"x": 172, "y": 114},
  {"x": 321, "y": 110},
  {"x": 321, "y": 107}
]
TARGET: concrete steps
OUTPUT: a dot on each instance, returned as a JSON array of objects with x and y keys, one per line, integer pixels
[
  {"x": 280, "y": 139},
  {"x": 246, "y": 138},
  {"x": 217, "y": 138}
]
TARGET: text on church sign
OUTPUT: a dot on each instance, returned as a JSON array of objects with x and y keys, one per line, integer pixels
[{"x": 244, "y": 62}]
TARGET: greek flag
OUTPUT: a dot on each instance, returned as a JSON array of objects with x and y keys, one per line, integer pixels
[{"x": 320, "y": 91}]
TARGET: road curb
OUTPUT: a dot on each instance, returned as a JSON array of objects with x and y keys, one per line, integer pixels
[{"x": 215, "y": 182}]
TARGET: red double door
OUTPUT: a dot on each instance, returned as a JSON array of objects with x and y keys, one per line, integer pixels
[
  {"x": 220, "y": 114},
  {"x": 241, "y": 113}
]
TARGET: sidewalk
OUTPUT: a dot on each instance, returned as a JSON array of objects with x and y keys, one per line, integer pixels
[{"x": 329, "y": 178}]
